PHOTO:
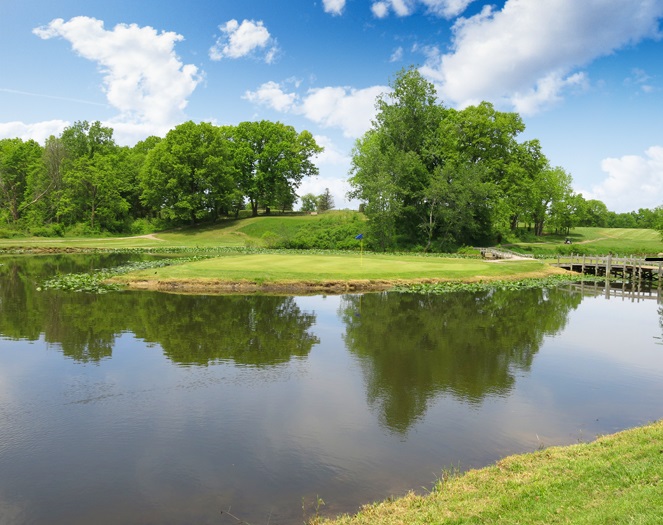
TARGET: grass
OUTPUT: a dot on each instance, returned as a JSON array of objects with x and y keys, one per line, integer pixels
[
  {"x": 288, "y": 267},
  {"x": 225, "y": 233},
  {"x": 596, "y": 241},
  {"x": 613, "y": 480}
]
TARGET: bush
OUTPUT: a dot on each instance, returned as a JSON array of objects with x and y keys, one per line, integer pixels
[
  {"x": 9, "y": 234},
  {"x": 336, "y": 232},
  {"x": 81, "y": 229},
  {"x": 49, "y": 230}
]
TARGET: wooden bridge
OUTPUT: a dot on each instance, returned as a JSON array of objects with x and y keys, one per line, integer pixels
[{"x": 630, "y": 268}]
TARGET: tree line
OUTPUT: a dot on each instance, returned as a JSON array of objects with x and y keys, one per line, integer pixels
[
  {"x": 428, "y": 177},
  {"x": 83, "y": 182},
  {"x": 436, "y": 178}
]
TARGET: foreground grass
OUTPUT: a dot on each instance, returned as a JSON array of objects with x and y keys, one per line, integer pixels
[
  {"x": 305, "y": 268},
  {"x": 613, "y": 480}
]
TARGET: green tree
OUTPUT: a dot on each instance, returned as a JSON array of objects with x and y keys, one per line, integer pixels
[
  {"x": 595, "y": 213},
  {"x": 325, "y": 201},
  {"x": 550, "y": 188},
  {"x": 19, "y": 162},
  {"x": 94, "y": 178},
  {"x": 45, "y": 186},
  {"x": 188, "y": 176},
  {"x": 309, "y": 202},
  {"x": 271, "y": 159}
]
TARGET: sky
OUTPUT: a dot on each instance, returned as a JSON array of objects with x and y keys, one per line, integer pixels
[{"x": 586, "y": 76}]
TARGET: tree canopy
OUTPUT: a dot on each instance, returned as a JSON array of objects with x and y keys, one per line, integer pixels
[
  {"x": 82, "y": 181},
  {"x": 437, "y": 177}
]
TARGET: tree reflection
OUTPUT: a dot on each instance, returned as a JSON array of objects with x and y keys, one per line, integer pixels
[
  {"x": 191, "y": 330},
  {"x": 249, "y": 330},
  {"x": 416, "y": 347}
]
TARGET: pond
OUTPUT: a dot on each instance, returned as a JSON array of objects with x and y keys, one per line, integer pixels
[{"x": 142, "y": 407}]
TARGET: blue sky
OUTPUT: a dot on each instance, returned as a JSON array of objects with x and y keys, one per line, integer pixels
[{"x": 586, "y": 76}]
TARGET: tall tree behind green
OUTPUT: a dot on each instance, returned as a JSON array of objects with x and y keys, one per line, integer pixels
[
  {"x": 187, "y": 177},
  {"x": 393, "y": 162},
  {"x": 271, "y": 159}
]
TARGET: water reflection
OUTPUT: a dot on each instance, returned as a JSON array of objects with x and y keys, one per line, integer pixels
[
  {"x": 191, "y": 330},
  {"x": 199, "y": 404},
  {"x": 414, "y": 348}
]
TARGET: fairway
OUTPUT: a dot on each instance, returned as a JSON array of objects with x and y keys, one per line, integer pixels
[{"x": 307, "y": 268}]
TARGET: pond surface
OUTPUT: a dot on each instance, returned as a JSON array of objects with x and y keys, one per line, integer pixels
[{"x": 141, "y": 408}]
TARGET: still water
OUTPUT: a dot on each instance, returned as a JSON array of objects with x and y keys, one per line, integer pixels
[{"x": 141, "y": 408}]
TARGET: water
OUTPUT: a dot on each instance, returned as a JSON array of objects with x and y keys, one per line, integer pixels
[{"x": 141, "y": 407}]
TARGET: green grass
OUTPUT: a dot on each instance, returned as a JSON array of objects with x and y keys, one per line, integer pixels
[
  {"x": 613, "y": 480},
  {"x": 225, "y": 233},
  {"x": 596, "y": 241},
  {"x": 315, "y": 268}
]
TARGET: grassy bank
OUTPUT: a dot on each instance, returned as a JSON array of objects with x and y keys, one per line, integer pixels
[
  {"x": 315, "y": 271},
  {"x": 615, "y": 479},
  {"x": 595, "y": 241}
]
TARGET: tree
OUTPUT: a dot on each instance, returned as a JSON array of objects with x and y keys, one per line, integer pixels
[
  {"x": 94, "y": 177},
  {"x": 309, "y": 202},
  {"x": 393, "y": 162},
  {"x": 45, "y": 186},
  {"x": 451, "y": 203},
  {"x": 188, "y": 176},
  {"x": 270, "y": 160},
  {"x": 19, "y": 161},
  {"x": 551, "y": 186},
  {"x": 325, "y": 201}
]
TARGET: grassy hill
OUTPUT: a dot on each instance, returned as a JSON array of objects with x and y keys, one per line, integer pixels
[{"x": 338, "y": 229}]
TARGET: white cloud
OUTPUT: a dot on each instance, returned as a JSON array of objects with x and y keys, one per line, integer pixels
[
  {"x": 400, "y": 7},
  {"x": 334, "y": 7},
  {"x": 240, "y": 40},
  {"x": 143, "y": 77},
  {"x": 39, "y": 131},
  {"x": 633, "y": 181},
  {"x": 397, "y": 55},
  {"x": 444, "y": 8},
  {"x": 529, "y": 52},
  {"x": 271, "y": 94},
  {"x": 348, "y": 109},
  {"x": 380, "y": 9},
  {"x": 331, "y": 154}
]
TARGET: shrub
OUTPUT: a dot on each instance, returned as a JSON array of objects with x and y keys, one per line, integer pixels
[{"x": 49, "y": 230}]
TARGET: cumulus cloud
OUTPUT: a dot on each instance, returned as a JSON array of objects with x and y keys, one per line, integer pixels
[
  {"x": 39, "y": 131},
  {"x": 143, "y": 77},
  {"x": 334, "y": 7},
  {"x": 271, "y": 94},
  {"x": 245, "y": 39},
  {"x": 443, "y": 8},
  {"x": 632, "y": 182},
  {"x": 348, "y": 109},
  {"x": 530, "y": 52}
]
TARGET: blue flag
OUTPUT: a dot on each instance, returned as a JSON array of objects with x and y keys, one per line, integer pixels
[{"x": 359, "y": 237}]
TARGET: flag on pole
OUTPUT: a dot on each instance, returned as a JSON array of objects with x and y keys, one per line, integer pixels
[{"x": 360, "y": 238}]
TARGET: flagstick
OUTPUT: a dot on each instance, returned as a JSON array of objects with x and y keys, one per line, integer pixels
[{"x": 361, "y": 252}]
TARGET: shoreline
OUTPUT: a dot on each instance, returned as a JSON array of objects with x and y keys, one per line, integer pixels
[{"x": 331, "y": 287}]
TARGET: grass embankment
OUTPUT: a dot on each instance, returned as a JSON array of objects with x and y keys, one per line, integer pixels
[
  {"x": 615, "y": 479},
  {"x": 325, "y": 272},
  {"x": 595, "y": 241}
]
